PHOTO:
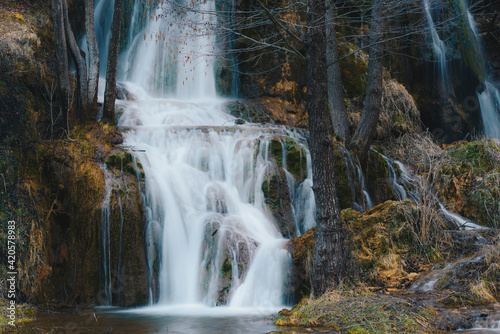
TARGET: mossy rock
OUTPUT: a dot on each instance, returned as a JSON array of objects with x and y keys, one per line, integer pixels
[
  {"x": 354, "y": 68},
  {"x": 287, "y": 150},
  {"x": 302, "y": 250},
  {"x": 223, "y": 253},
  {"x": 277, "y": 198},
  {"x": 382, "y": 240},
  {"x": 470, "y": 180},
  {"x": 296, "y": 160},
  {"x": 122, "y": 161}
]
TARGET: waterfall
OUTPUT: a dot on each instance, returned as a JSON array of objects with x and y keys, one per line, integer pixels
[
  {"x": 489, "y": 98},
  {"x": 438, "y": 47},
  {"x": 489, "y": 101},
  {"x": 208, "y": 226},
  {"x": 304, "y": 204},
  {"x": 459, "y": 221},
  {"x": 398, "y": 189},
  {"x": 105, "y": 237},
  {"x": 368, "y": 203},
  {"x": 103, "y": 12}
]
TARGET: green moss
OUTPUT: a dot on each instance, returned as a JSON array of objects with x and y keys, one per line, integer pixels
[
  {"x": 473, "y": 154},
  {"x": 276, "y": 149},
  {"x": 226, "y": 267},
  {"x": 296, "y": 161},
  {"x": 123, "y": 161},
  {"x": 354, "y": 67}
]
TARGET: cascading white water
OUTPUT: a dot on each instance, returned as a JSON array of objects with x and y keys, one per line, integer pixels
[
  {"x": 304, "y": 204},
  {"x": 459, "y": 221},
  {"x": 489, "y": 98},
  {"x": 103, "y": 11},
  {"x": 438, "y": 47},
  {"x": 489, "y": 101},
  {"x": 398, "y": 189},
  {"x": 368, "y": 204},
  {"x": 204, "y": 175}
]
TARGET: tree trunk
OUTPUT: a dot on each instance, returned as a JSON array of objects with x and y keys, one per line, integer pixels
[
  {"x": 81, "y": 65},
  {"x": 335, "y": 90},
  {"x": 329, "y": 259},
  {"x": 62, "y": 60},
  {"x": 93, "y": 70},
  {"x": 108, "y": 113},
  {"x": 373, "y": 100}
]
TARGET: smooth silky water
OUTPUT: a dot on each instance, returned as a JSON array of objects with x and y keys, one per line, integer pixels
[
  {"x": 203, "y": 197},
  {"x": 203, "y": 173}
]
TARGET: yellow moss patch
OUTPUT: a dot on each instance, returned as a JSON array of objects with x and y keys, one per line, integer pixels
[{"x": 382, "y": 240}]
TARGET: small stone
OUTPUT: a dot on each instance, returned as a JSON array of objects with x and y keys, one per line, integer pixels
[{"x": 412, "y": 276}]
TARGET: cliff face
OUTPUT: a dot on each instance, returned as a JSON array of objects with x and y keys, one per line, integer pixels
[{"x": 53, "y": 182}]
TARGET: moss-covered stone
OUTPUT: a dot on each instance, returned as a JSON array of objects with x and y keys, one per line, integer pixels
[
  {"x": 471, "y": 182},
  {"x": 123, "y": 161},
  {"x": 382, "y": 241},
  {"x": 354, "y": 67},
  {"x": 224, "y": 252},
  {"x": 302, "y": 250},
  {"x": 296, "y": 160},
  {"x": 278, "y": 200}
]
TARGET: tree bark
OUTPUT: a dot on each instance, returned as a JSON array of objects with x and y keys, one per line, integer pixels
[
  {"x": 114, "y": 47},
  {"x": 81, "y": 65},
  {"x": 62, "y": 59},
  {"x": 373, "y": 100},
  {"x": 93, "y": 70},
  {"x": 329, "y": 252},
  {"x": 335, "y": 90}
]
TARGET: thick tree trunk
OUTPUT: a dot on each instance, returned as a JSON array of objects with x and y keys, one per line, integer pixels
[
  {"x": 329, "y": 260},
  {"x": 81, "y": 65},
  {"x": 62, "y": 59},
  {"x": 373, "y": 100},
  {"x": 108, "y": 113},
  {"x": 335, "y": 90},
  {"x": 93, "y": 70}
]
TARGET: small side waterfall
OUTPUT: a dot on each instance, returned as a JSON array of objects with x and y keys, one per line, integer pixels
[
  {"x": 399, "y": 190},
  {"x": 489, "y": 101},
  {"x": 438, "y": 47},
  {"x": 103, "y": 11},
  {"x": 304, "y": 204},
  {"x": 105, "y": 238},
  {"x": 489, "y": 97},
  {"x": 368, "y": 204}
]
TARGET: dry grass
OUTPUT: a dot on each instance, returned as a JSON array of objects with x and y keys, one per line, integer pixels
[
  {"x": 426, "y": 161},
  {"x": 359, "y": 312},
  {"x": 399, "y": 113}
]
